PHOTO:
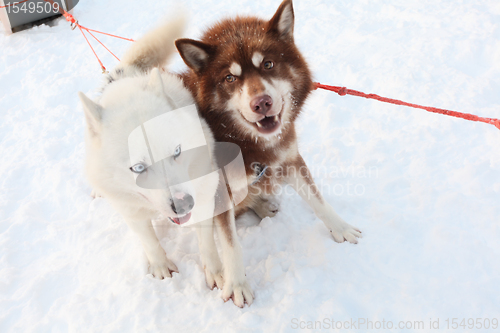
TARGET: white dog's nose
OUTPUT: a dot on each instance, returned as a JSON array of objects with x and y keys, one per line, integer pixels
[{"x": 182, "y": 203}]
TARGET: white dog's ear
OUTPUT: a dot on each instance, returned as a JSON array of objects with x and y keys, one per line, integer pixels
[
  {"x": 155, "y": 83},
  {"x": 195, "y": 54},
  {"x": 283, "y": 20},
  {"x": 93, "y": 113}
]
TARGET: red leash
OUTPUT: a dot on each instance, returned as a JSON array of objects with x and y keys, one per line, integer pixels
[
  {"x": 342, "y": 91},
  {"x": 74, "y": 24}
]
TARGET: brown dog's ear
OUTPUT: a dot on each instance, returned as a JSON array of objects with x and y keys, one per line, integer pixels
[
  {"x": 195, "y": 54},
  {"x": 282, "y": 21}
]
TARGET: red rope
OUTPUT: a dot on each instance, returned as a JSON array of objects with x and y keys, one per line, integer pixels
[
  {"x": 100, "y": 42},
  {"x": 75, "y": 23},
  {"x": 342, "y": 91},
  {"x": 102, "y": 66},
  {"x": 129, "y": 39}
]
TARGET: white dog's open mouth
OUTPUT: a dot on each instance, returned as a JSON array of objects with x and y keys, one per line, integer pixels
[{"x": 180, "y": 219}]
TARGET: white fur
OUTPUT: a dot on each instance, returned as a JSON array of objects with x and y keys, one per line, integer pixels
[
  {"x": 257, "y": 59},
  {"x": 195, "y": 55},
  {"x": 235, "y": 282},
  {"x": 235, "y": 69},
  {"x": 278, "y": 90},
  {"x": 155, "y": 47},
  {"x": 285, "y": 24},
  {"x": 133, "y": 97}
]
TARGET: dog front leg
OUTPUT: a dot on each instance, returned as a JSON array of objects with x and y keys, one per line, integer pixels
[
  {"x": 235, "y": 282},
  {"x": 159, "y": 265},
  {"x": 301, "y": 180},
  {"x": 212, "y": 265}
]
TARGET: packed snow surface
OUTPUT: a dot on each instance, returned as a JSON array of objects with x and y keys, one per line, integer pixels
[{"x": 423, "y": 188}]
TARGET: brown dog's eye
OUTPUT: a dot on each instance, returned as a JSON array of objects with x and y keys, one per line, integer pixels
[
  {"x": 268, "y": 64},
  {"x": 230, "y": 78}
]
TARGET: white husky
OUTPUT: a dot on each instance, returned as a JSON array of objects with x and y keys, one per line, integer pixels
[{"x": 136, "y": 96}]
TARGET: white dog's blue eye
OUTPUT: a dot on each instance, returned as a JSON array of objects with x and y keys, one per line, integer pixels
[
  {"x": 177, "y": 151},
  {"x": 138, "y": 168}
]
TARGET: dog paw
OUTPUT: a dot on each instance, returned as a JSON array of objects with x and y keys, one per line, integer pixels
[
  {"x": 214, "y": 279},
  {"x": 240, "y": 293},
  {"x": 345, "y": 232},
  {"x": 267, "y": 208},
  {"x": 163, "y": 270}
]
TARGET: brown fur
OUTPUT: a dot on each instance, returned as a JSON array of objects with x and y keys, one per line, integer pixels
[
  {"x": 222, "y": 101},
  {"x": 235, "y": 40}
]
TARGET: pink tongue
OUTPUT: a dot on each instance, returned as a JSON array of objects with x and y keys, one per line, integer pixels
[{"x": 181, "y": 220}]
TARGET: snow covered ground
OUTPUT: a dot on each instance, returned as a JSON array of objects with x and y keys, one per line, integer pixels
[{"x": 424, "y": 188}]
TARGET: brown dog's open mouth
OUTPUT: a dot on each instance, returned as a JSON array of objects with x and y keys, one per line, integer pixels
[
  {"x": 269, "y": 124},
  {"x": 180, "y": 219}
]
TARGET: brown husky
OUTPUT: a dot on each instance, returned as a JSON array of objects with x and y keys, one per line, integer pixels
[{"x": 250, "y": 82}]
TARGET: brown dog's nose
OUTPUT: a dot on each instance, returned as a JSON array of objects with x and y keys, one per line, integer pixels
[{"x": 261, "y": 104}]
